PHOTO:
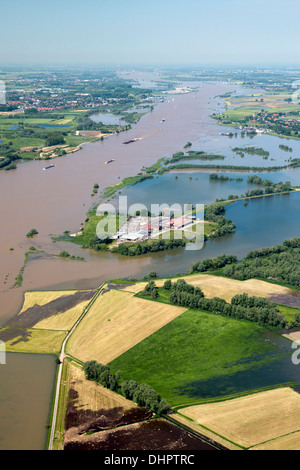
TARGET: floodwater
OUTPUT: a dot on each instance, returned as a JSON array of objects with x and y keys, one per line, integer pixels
[
  {"x": 265, "y": 371},
  {"x": 27, "y": 382},
  {"x": 57, "y": 200}
]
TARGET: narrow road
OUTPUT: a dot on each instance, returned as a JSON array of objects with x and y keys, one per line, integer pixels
[{"x": 62, "y": 356}]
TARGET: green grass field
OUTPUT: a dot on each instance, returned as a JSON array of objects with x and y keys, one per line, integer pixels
[{"x": 197, "y": 346}]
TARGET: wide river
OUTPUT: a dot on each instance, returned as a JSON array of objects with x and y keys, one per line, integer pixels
[{"x": 57, "y": 200}]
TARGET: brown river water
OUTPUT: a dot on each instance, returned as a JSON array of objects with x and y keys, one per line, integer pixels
[{"x": 57, "y": 200}]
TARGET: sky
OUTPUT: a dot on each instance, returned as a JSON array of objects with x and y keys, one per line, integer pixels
[{"x": 149, "y": 32}]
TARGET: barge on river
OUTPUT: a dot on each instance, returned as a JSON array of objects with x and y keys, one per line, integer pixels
[{"x": 48, "y": 167}]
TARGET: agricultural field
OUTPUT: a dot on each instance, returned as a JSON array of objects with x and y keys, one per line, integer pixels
[
  {"x": 265, "y": 420},
  {"x": 93, "y": 417},
  {"x": 225, "y": 288},
  {"x": 32, "y": 340},
  {"x": 175, "y": 360},
  {"x": 239, "y": 114},
  {"x": 115, "y": 323},
  {"x": 84, "y": 403},
  {"x": 44, "y": 320},
  {"x": 264, "y": 100}
]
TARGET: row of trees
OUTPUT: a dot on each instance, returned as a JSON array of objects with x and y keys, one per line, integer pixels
[
  {"x": 193, "y": 155},
  {"x": 212, "y": 263},
  {"x": 252, "y": 151},
  {"x": 216, "y": 177},
  {"x": 269, "y": 186},
  {"x": 135, "y": 249},
  {"x": 242, "y": 306},
  {"x": 142, "y": 394}
]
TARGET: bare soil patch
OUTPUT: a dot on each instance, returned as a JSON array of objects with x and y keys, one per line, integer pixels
[{"x": 155, "y": 434}]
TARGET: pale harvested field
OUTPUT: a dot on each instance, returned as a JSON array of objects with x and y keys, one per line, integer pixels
[
  {"x": 39, "y": 342},
  {"x": 254, "y": 419},
  {"x": 63, "y": 321},
  {"x": 60, "y": 321},
  {"x": 94, "y": 397},
  {"x": 225, "y": 288},
  {"x": 289, "y": 442},
  {"x": 42, "y": 297},
  {"x": 116, "y": 322},
  {"x": 204, "y": 431}
]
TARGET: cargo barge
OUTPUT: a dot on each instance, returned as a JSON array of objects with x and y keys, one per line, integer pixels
[{"x": 48, "y": 167}]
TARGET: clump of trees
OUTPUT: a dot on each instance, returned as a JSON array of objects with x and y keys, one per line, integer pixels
[
  {"x": 252, "y": 151},
  {"x": 185, "y": 294},
  {"x": 32, "y": 232},
  {"x": 187, "y": 145},
  {"x": 286, "y": 148},
  {"x": 98, "y": 244},
  {"x": 55, "y": 138},
  {"x": 142, "y": 394},
  {"x": 280, "y": 263},
  {"x": 216, "y": 213},
  {"x": 269, "y": 186},
  {"x": 213, "y": 263},
  {"x": 150, "y": 290}
]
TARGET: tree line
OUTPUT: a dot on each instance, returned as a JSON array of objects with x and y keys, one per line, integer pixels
[
  {"x": 142, "y": 394},
  {"x": 242, "y": 307},
  {"x": 270, "y": 187},
  {"x": 141, "y": 248},
  {"x": 212, "y": 263}
]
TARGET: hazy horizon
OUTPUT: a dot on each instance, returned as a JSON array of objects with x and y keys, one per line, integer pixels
[{"x": 160, "y": 32}]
